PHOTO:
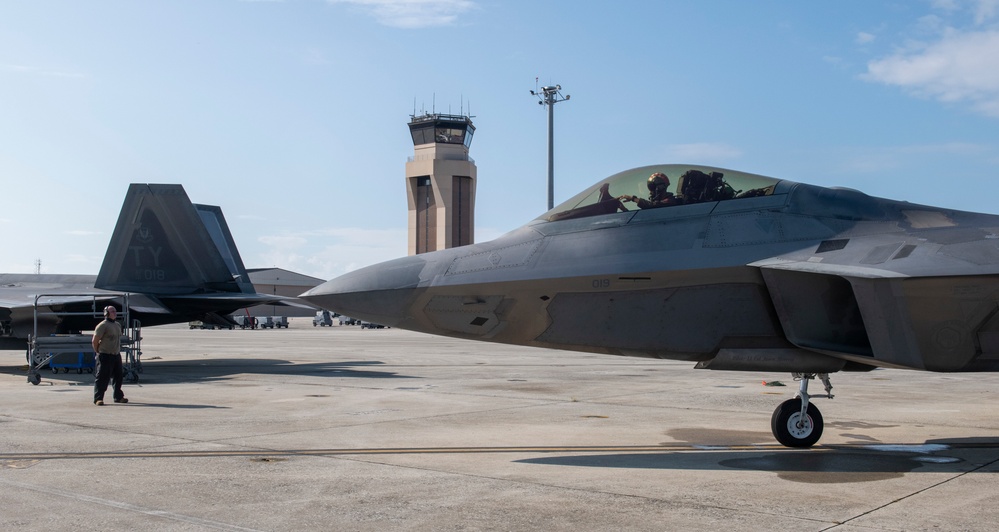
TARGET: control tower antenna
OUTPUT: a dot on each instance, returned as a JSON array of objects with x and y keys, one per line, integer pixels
[{"x": 549, "y": 96}]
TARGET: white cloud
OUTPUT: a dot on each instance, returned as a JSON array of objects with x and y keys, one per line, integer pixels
[
  {"x": 283, "y": 242},
  {"x": 945, "y": 5},
  {"x": 865, "y": 38},
  {"x": 412, "y": 13},
  {"x": 955, "y": 60},
  {"x": 960, "y": 67},
  {"x": 930, "y": 25},
  {"x": 327, "y": 253},
  {"x": 702, "y": 152},
  {"x": 985, "y": 10},
  {"x": 882, "y": 159},
  {"x": 833, "y": 60}
]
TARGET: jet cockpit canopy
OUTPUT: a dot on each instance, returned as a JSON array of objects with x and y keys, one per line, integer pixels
[{"x": 687, "y": 184}]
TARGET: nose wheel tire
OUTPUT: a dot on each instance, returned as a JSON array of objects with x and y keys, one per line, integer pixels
[{"x": 791, "y": 430}]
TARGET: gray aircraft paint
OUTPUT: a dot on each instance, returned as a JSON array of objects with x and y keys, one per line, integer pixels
[
  {"x": 177, "y": 260},
  {"x": 792, "y": 277}
]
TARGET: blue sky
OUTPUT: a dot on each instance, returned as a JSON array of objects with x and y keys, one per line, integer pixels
[{"x": 291, "y": 115}]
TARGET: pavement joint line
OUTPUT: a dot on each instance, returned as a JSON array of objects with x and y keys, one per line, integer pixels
[
  {"x": 383, "y": 451},
  {"x": 913, "y": 494},
  {"x": 613, "y": 493},
  {"x": 679, "y": 448},
  {"x": 126, "y": 506},
  {"x": 660, "y": 448}
]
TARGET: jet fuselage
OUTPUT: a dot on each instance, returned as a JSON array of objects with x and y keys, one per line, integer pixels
[{"x": 775, "y": 276}]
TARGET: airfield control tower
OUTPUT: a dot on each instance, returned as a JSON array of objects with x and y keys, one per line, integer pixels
[{"x": 440, "y": 183}]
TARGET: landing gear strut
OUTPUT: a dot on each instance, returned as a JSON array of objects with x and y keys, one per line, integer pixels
[{"x": 797, "y": 422}]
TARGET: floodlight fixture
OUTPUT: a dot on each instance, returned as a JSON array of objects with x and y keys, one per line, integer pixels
[{"x": 550, "y": 96}]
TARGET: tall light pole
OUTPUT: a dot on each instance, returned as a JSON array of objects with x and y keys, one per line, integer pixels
[{"x": 550, "y": 96}]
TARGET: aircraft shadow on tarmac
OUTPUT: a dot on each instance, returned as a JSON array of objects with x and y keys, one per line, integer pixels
[
  {"x": 833, "y": 464},
  {"x": 220, "y": 368},
  {"x": 161, "y": 371},
  {"x": 134, "y": 404}
]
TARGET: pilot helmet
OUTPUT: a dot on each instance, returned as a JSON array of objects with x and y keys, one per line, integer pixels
[{"x": 657, "y": 180}]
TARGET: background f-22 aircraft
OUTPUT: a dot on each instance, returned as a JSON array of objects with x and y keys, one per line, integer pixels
[
  {"x": 728, "y": 270},
  {"x": 176, "y": 261}
]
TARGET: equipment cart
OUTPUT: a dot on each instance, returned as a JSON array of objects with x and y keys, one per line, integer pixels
[
  {"x": 43, "y": 350},
  {"x": 82, "y": 361}
]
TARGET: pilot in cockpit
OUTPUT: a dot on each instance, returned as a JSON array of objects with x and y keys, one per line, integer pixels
[{"x": 659, "y": 196}]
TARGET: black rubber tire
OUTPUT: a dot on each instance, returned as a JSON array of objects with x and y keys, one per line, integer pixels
[{"x": 784, "y": 424}]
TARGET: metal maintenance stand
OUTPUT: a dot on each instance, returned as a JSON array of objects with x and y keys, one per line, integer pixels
[{"x": 43, "y": 349}]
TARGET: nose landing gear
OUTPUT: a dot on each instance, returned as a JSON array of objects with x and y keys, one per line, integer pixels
[{"x": 797, "y": 422}]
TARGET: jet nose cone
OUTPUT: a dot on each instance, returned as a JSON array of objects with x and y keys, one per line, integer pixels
[{"x": 382, "y": 293}]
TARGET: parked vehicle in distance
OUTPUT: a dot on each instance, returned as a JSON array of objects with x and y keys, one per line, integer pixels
[
  {"x": 208, "y": 326},
  {"x": 369, "y": 325},
  {"x": 347, "y": 320},
  {"x": 323, "y": 318},
  {"x": 203, "y": 325},
  {"x": 273, "y": 322},
  {"x": 245, "y": 322}
]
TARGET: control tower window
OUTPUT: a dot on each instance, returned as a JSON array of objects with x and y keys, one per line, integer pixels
[
  {"x": 442, "y": 129},
  {"x": 422, "y": 134},
  {"x": 450, "y": 135}
]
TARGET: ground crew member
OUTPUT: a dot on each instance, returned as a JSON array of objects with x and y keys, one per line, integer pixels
[{"x": 107, "y": 349}]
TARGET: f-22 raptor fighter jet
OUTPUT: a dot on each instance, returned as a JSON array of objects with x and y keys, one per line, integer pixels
[
  {"x": 727, "y": 270},
  {"x": 176, "y": 261}
]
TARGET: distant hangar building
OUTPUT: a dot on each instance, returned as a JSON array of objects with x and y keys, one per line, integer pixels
[{"x": 281, "y": 282}]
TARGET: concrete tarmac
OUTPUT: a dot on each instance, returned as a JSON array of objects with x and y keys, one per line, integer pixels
[{"x": 348, "y": 429}]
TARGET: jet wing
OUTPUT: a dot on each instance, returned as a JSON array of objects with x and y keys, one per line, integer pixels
[
  {"x": 19, "y": 301},
  {"x": 48, "y": 291},
  {"x": 9, "y": 302}
]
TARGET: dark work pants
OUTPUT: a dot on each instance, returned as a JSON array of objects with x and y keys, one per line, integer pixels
[{"x": 108, "y": 368}]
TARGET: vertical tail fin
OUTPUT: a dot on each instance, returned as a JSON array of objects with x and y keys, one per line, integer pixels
[
  {"x": 163, "y": 245},
  {"x": 215, "y": 223}
]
